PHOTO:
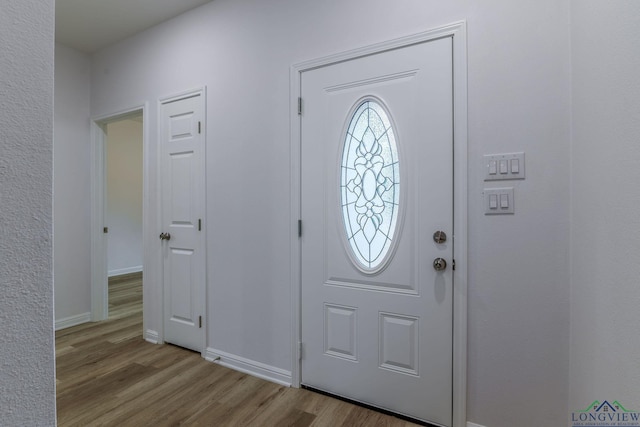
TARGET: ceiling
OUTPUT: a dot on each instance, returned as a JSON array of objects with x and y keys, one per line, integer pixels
[{"x": 89, "y": 25}]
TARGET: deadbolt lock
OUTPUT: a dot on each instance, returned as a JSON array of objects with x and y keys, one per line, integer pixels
[
  {"x": 439, "y": 237},
  {"x": 165, "y": 236},
  {"x": 439, "y": 264}
]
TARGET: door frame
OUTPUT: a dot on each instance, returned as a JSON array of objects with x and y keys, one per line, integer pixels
[
  {"x": 99, "y": 273},
  {"x": 457, "y": 31}
]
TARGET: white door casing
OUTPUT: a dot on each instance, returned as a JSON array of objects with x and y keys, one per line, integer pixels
[
  {"x": 386, "y": 338},
  {"x": 182, "y": 148}
]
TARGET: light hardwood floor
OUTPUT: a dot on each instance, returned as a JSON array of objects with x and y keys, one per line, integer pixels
[{"x": 107, "y": 375}]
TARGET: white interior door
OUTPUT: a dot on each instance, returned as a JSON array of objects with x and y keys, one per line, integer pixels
[
  {"x": 376, "y": 315},
  {"x": 183, "y": 238}
]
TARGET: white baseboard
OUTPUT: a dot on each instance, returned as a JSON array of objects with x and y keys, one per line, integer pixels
[
  {"x": 251, "y": 367},
  {"x": 151, "y": 336},
  {"x": 68, "y": 322},
  {"x": 121, "y": 271},
  {"x": 470, "y": 424}
]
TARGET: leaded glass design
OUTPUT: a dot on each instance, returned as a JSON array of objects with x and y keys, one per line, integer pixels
[{"x": 370, "y": 184}]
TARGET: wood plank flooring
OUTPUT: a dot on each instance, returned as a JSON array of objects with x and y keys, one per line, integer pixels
[{"x": 107, "y": 375}]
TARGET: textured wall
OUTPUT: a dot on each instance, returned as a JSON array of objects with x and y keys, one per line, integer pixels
[
  {"x": 605, "y": 287},
  {"x": 71, "y": 185},
  {"x": 27, "y": 371},
  {"x": 519, "y": 100}
]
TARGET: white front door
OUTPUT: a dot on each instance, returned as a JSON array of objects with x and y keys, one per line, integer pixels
[
  {"x": 377, "y": 183},
  {"x": 183, "y": 239}
]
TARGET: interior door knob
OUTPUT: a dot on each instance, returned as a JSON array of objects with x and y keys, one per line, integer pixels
[
  {"x": 439, "y": 264},
  {"x": 165, "y": 236}
]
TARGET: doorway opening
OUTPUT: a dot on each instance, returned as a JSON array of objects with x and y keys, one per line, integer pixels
[
  {"x": 123, "y": 214},
  {"x": 118, "y": 195}
]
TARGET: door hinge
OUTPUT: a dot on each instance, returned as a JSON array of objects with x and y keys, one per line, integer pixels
[
  {"x": 300, "y": 349},
  {"x": 199, "y": 127},
  {"x": 453, "y": 265},
  {"x": 299, "y": 106},
  {"x": 199, "y": 321},
  {"x": 199, "y": 224},
  {"x": 299, "y": 228},
  {"x": 105, "y": 230}
]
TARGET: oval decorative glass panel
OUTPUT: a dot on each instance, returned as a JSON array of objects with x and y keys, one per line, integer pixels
[{"x": 370, "y": 184}]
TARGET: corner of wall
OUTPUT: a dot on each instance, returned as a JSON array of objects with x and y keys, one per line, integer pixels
[
  {"x": 152, "y": 336},
  {"x": 68, "y": 322}
]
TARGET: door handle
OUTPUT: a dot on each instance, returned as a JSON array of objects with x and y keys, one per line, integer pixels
[
  {"x": 165, "y": 236},
  {"x": 439, "y": 264}
]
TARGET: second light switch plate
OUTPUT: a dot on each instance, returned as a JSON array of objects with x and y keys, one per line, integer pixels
[{"x": 499, "y": 201}]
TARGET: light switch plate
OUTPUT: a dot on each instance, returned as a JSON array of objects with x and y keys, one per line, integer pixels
[
  {"x": 500, "y": 167},
  {"x": 495, "y": 200}
]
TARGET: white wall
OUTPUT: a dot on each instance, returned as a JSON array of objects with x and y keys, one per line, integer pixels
[
  {"x": 124, "y": 196},
  {"x": 519, "y": 99},
  {"x": 71, "y": 178},
  {"x": 605, "y": 234},
  {"x": 27, "y": 371}
]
